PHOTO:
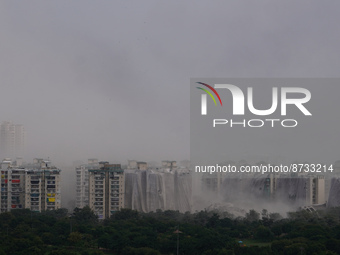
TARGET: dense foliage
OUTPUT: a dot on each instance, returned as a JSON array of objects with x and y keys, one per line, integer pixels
[{"x": 129, "y": 232}]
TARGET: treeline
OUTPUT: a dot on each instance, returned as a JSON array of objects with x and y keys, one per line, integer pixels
[{"x": 208, "y": 233}]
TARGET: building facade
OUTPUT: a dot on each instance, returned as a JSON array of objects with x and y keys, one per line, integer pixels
[
  {"x": 171, "y": 165},
  {"x": 106, "y": 189},
  {"x": 42, "y": 189},
  {"x": 82, "y": 188},
  {"x": 315, "y": 190},
  {"x": 35, "y": 186},
  {"x": 12, "y": 140},
  {"x": 137, "y": 165},
  {"x": 12, "y": 187}
]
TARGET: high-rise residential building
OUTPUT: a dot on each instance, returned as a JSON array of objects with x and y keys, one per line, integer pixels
[
  {"x": 171, "y": 165},
  {"x": 12, "y": 186},
  {"x": 150, "y": 188},
  {"x": 35, "y": 186},
  {"x": 139, "y": 165},
  {"x": 82, "y": 188},
  {"x": 212, "y": 182},
  {"x": 12, "y": 139},
  {"x": 295, "y": 190},
  {"x": 312, "y": 187},
  {"x": 315, "y": 190},
  {"x": 106, "y": 189},
  {"x": 132, "y": 164}
]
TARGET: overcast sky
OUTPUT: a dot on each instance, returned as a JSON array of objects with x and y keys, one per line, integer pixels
[{"x": 110, "y": 79}]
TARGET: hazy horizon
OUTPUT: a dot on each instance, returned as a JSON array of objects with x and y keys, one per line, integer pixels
[{"x": 110, "y": 79}]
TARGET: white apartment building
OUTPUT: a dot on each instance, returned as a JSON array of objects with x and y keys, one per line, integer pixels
[
  {"x": 134, "y": 165},
  {"x": 106, "y": 189},
  {"x": 35, "y": 186},
  {"x": 315, "y": 190},
  {"x": 82, "y": 177},
  {"x": 42, "y": 189},
  {"x": 12, "y": 140},
  {"x": 12, "y": 187},
  {"x": 170, "y": 165},
  {"x": 314, "y": 187}
]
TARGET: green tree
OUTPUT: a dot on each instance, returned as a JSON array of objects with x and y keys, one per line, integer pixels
[
  {"x": 84, "y": 216},
  {"x": 252, "y": 215},
  {"x": 264, "y": 234},
  {"x": 125, "y": 214},
  {"x": 75, "y": 238}
]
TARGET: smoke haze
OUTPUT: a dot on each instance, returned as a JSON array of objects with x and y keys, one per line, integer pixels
[{"x": 110, "y": 79}]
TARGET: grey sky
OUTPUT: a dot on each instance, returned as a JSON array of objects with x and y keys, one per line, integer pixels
[{"x": 110, "y": 79}]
